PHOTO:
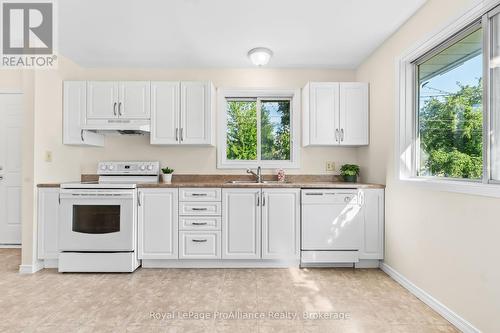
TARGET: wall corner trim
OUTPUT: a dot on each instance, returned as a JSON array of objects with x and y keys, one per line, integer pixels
[
  {"x": 457, "y": 321},
  {"x": 31, "y": 269}
]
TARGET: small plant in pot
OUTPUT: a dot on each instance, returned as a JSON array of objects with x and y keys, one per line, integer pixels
[
  {"x": 167, "y": 174},
  {"x": 349, "y": 172}
]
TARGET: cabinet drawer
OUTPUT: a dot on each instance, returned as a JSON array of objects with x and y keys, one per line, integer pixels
[
  {"x": 200, "y": 208},
  {"x": 199, "y": 223},
  {"x": 200, "y": 194},
  {"x": 199, "y": 245}
]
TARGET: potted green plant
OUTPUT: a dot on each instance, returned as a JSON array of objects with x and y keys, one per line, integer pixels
[
  {"x": 349, "y": 172},
  {"x": 167, "y": 174}
]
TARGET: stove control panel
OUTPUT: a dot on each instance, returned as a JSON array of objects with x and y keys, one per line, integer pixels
[{"x": 128, "y": 168}]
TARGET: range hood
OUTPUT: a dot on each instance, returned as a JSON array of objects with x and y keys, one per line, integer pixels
[{"x": 120, "y": 127}]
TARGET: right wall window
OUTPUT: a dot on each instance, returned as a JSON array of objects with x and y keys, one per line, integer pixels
[
  {"x": 449, "y": 105},
  {"x": 494, "y": 70}
]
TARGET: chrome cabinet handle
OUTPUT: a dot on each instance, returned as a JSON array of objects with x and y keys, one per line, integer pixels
[
  {"x": 1, "y": 177},
  {"x": 342, "y": 134},
  {"x": 199, "y": 223},
  {"x": 258, "y": 200},
  {"x": 337, "y": 135},
  {"x": 120, "y": 109},
  {"x": 114, "y": 108},
  {"x": 182, "y": 134},
  {"x": 81, "y": 135},
  {"x": 198, "y": 209},
  {"x": 139, "y": 200},
  {"x": 199, "y": 194},
  {"x": 176, "y": 134},
  {"x": 199, "y": 240},
  {"x": 264, "y": 200}
]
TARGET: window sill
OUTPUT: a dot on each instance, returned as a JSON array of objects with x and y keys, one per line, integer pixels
[
  {"x": 262, "y": 164},
  {"x": 456, "y": 186}
]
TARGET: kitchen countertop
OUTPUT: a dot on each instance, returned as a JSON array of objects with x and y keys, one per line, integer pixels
[{"x": 293, "y": 181}]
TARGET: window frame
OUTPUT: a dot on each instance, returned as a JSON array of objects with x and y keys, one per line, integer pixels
[
  {"x": 407, "y": 143},
  {"x": 258, "y": 94}
]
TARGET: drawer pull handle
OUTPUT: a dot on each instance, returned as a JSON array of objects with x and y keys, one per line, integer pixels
[
  {"x": 199, "y": 194},
  {"x": 199, "y": 223},
  {"x": 199, "y": 240},
  {"x": 194, "y": 208}
]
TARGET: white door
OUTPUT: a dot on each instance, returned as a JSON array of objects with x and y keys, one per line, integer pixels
[
  {"x": 158, "y": 219},
  {"x": 134, "y": 100},
  {"x": 102, "y": 99},
  {"x": 165, "y": 109},
  {"x": 372, "y": 231},
  {"x": 195, "y": 112},
  {"x": 280, "y": 223},
  {"x": 354, "y": 113},
  {"x": 241, "y": 223},
  {"x": 10, "y": 167},
  {"x": 324, "y": 113}
]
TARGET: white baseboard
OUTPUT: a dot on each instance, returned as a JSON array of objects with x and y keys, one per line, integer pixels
[
  {"x": 30, "y": 269},
  {"x": 203, "y": 263},
  {"x": 10, "y": 246},
  {"x": 459, "y": 322}
]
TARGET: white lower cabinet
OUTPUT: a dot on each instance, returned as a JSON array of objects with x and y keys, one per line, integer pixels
[
  {"x": 158, "y": 223},
  {"x": 372, "y": 230},
  {"x": 48, "y": 220},
  {"x": 280, "y": 223},
  {"x": 199, "y": 245},
  {"x": 241, "y": 224}
]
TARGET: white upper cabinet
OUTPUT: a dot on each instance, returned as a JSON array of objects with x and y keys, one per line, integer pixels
[
  {"x": 354, "y": 114},
  {"x": 134, "y": 99},
  {"x": 241, "y": 224},
  {"x": 158, "y": 223},
  {"x": 196, "y": 105},
  {"x": 280, "y": 223},
  {"x": 165, "y": 106},
  {"x": 74, "y": 109},
  {"x": 335, "y": 114},
  {"x": 102, "y": 99},
  {"x": 118, "y": 99},
  {"x": 182, "y": 113}
]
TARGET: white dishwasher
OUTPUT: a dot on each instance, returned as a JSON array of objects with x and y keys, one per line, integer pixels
[{"x": 331, "y": 226}]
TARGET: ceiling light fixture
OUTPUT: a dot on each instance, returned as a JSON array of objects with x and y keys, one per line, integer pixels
[{"x": 260, "y": 56}]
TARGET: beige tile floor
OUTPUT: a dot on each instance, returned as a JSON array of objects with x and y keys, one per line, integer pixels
[{"x": 51, "y": 302}]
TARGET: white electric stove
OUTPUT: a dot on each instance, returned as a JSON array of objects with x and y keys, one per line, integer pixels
[{"x": 98, "y": 220}]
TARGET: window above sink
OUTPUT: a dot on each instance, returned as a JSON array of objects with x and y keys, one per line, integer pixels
[{"x": 258, "y": 128}]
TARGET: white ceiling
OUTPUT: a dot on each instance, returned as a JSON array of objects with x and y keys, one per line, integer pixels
[{"x": 219, "y": 33}]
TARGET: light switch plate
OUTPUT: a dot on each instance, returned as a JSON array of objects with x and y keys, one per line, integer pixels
[
  {"x": 48, "y": 156},
  {"x": 330, "y": 166}
]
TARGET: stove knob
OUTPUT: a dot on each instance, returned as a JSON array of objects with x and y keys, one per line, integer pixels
[
  {"x": 150, "y": 167},
  {"x": 143, "y": 167},
  {"x": 111, "y": 167},
  {"x": 104, "y": 167}
]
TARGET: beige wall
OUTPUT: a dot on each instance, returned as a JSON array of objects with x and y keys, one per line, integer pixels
[
  {"x": 69, "y": 162},
  {"x": 445, "y": 243}
]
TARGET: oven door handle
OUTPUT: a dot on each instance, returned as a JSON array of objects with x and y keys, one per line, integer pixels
[{"x": 96, "y": 196}]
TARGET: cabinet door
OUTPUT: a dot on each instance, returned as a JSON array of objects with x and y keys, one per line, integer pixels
[
  {"x": 47, "y": 224},
  {"x": 196, "y": 111},
  {"x": 280, "y": 223},
  {"x": 158, "y": 218},
  {"x": 102, "y": 99},
  {"x": 354, "y": 113},
  {"x": 324, "y": 113},
  {"x": 134, "y": 100},
  {"x": 74, "y": 108},
  {"x": 165, "y": 109},
  {"x": 372, "y": 238},
  {"x": 241, "y": 223}
]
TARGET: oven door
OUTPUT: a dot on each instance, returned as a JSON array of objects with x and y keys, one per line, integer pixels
[{"x": 97, "y": 220}]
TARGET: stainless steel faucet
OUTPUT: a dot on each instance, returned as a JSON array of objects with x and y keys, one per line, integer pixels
[{"x": 257, "y": 175}]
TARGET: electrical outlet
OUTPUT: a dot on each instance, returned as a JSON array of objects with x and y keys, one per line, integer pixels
[
  {"x": 330, "y": 166},
  {"x": 48, "y": 156}
]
